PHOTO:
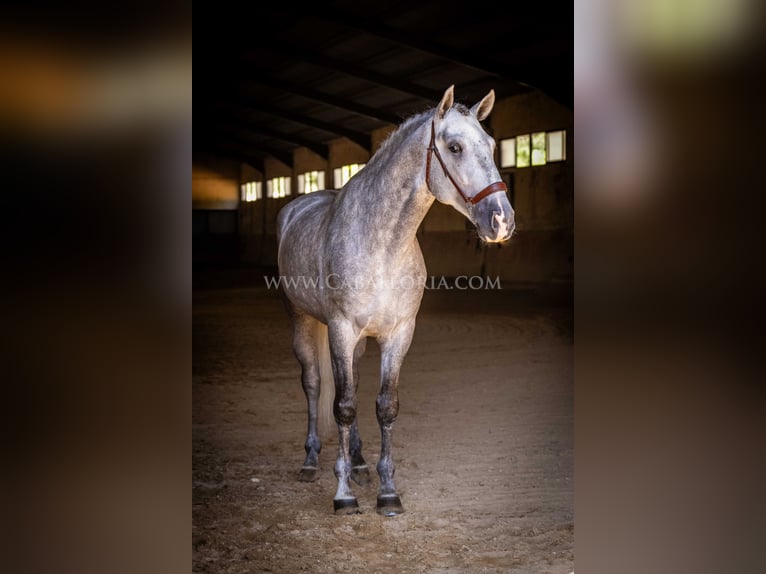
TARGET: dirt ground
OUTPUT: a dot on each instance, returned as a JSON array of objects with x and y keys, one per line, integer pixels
[{"x": 483, "y": 443}]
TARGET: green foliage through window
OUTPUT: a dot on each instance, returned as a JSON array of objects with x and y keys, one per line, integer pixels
[
  {"x": 538, "y": 148},
  {"x": 522, "y": 151}
]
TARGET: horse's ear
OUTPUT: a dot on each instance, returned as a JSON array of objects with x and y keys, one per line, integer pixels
[
  {"x": 447, "y": 100},
  {"x": 484, "y": 107}
]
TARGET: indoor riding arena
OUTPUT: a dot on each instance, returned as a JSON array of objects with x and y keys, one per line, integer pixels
[{"x": 300, "y": 101}]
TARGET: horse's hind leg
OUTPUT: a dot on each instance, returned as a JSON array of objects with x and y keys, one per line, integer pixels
[
  {"x": 360, "y": 473},
  {"x": 305, "y": 351}
]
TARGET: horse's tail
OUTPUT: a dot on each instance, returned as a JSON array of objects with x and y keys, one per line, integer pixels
[{"x": 326, "y": 419}]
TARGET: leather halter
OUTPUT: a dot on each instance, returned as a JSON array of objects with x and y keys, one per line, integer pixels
[{"x": 469, "y": 201}]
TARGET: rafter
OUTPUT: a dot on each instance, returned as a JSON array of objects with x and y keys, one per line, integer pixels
[
  {"x": 306, "y": 54},
  {"x": 405, "y": 39},
  {"x": 232, "y": 151},
  {"x": 360, "y": 138},
  {"x": 318, "y": 148},
  {"x": 235, "y": 136},
  {"x": 325, "y": 98},
  {"x": 522, "y": 75}
]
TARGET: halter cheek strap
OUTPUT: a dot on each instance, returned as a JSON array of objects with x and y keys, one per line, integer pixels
[{"x": 496, "y": 187}]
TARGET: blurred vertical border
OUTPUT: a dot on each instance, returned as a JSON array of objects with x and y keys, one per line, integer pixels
[
  {"x": 95, "y": 140},
  {"x": 95, "y": 135},
  {"x": 669, "y": 415}
]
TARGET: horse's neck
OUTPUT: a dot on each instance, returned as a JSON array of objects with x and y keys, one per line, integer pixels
[{"x": 386, "y": 206}]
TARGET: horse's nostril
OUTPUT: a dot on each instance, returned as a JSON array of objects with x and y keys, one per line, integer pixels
[
  {"x": 496, "y": 220},
  {"x": 500, "y": 225}
]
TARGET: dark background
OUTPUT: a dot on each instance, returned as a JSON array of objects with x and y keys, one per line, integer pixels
[{"x": 669, "y": 372}]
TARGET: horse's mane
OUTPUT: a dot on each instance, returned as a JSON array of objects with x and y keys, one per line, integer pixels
[{"x": 399, "y": 134}]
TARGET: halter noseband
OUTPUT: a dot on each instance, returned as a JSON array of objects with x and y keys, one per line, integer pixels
[{"x": 469, "y": 201}]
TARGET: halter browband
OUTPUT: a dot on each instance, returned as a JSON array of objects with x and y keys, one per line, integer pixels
[{"x": 470, "y": 201}]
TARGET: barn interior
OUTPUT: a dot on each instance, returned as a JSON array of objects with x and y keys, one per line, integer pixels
[{"x": 298, "y": 100}]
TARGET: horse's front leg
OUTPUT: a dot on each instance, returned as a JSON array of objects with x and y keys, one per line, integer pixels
[
  {"x": 343, "y": 340},
  {"x": 393, "y": 350}
]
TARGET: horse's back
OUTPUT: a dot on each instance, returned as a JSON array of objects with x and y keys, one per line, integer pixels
[{"x": 304, "y": 208}]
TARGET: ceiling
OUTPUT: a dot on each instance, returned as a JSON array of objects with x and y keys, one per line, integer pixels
[{"x": 287, "y": 77}]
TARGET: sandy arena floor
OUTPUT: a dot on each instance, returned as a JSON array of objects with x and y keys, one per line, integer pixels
[{"x": 483, "y": 443}]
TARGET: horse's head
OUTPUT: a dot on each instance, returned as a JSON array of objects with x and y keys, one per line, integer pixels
[{"x": 461, "y": 169}]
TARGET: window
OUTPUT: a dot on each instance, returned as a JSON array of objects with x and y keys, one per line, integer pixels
[
  {"x": 310, "y": 181},
  {"x": 508, "y": 152},
  {"x": 539, "y": 148},
  {"x": 342, "y": 174},
  {"x": 278, "y": 187},
  {"x": 251, "y": 191},
  {"x": 522, "y": 151},
  {"x": 557, "y": 146}
]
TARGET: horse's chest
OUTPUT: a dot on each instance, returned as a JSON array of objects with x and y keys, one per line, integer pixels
[
  {"x": 377, "y": 309},
  {"x": 379, "y": 292}
]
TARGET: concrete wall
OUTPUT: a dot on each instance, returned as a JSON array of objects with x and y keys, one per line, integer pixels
[
  {"x": 215, "y": 183},
  {"x": 215, "y": 199},
  {"x": 257, "y": 221},
  {"x": 306, "y": 160},
  {"x": 344, "y": 152},
  {"x": 542, "y": 248}
]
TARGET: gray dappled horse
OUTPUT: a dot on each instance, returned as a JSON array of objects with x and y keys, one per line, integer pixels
[{"x": 358, "y": 272}]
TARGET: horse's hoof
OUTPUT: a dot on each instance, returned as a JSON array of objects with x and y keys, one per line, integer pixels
[
  {"x": 308, "y": 474},
  {"x": 360, "y": 475},
  {"x": 389, "y": 505},
  {"x": 345, "y": 506}
]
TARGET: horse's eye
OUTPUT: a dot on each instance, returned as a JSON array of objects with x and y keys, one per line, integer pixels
[{"x": 455, "y": 148}]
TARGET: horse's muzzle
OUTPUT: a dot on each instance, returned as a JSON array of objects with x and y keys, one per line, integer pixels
[
  {"x": 501, "y": 226},
  {"x": 495, "y": 220}
]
